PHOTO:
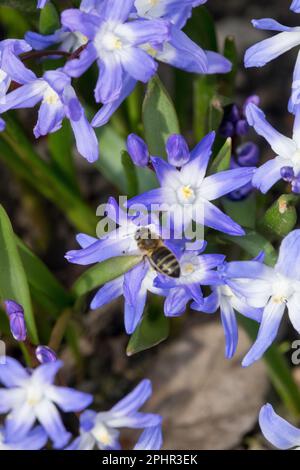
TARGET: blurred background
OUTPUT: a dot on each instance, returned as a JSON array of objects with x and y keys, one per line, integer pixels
[{"x": 206, "y": 401}]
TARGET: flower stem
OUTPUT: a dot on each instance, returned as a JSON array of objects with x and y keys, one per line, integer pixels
[{"x": 59, "y": 329}]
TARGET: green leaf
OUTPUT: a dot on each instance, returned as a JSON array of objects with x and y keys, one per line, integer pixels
[
  {"x": 131, "y": 175},
  {"x": 110, "y": 162},
  {"x": 104, "y": 272},
  {"x": 27, "y": 6},
  {"x": 281, "y": 217},
  {"x": 201, "y": 29},
  {"x": 215, "y": 114},
  {"x": 42, "y": 281},
  {"x": 153, "y": 329},
  {"x": 243, "y": 212},
  {"x": 228, "y": 79},
  {"x": 253, "y": 243},
  {"x": 49, "y": 19},
  {"x": 13, "y": 22},
  {"x": 222, "y": 160},
  {"x": 205, "y": 88},
  {"x": 13, "y": 282},
  {"x": 18, "y": 153},
  {"x": 159, "y": 117}
]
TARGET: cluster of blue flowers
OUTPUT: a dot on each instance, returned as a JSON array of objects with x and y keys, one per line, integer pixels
[
  {"x": 126, "y": 40},
  {"x": 30, "y": 397}
]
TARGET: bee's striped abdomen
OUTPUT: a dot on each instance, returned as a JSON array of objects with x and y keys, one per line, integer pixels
[{"x": 164, "y": 261}]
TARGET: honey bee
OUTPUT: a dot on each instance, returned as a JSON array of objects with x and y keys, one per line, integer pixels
[{"x": 159, "y": 256}]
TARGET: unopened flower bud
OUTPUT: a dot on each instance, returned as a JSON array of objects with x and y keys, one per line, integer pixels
[
  {"x": 248, "y": 154},
  {"x": 16, "y": 318},
  {"x": 287, "y": 174},
  {"x": 177, "y": 150},
  {"x": 45, "y": 354},
  {"x": 138, "y": 150}
]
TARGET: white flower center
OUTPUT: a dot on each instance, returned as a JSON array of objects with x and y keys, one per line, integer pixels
[
  {"x": 186, "y": 194},
  {"x": 107, "y": 40},
  {"x": 226, "y": 291},
  {"x": 34, "y": 394},
  {"x": 103, "y": 434},
  {"x": 50, "y": 96},
  {"x": 282, "y": 290},
  {"x": 187, "y": 268}
]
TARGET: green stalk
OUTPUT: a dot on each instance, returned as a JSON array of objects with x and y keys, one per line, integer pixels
[
  {"x": 29, "y": 165},
  {"x": 278, "y": 369}
]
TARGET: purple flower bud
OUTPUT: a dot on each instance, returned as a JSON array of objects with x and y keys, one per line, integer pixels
[
  {"x": 296, "y": 185},
  {"x": 227, "y": 129},
  {"x": 16, "y": 318},
  {"x": 242, "y": 127},
  {"x": 45, "y": 354},
  {"x": 248, "y": 154},
  {"x": 251, "y": 99},
  {"x": 177, "y": 150},
  {"x": 287, "y": 174},
  {"x": 235, "y": 114},
  {"x": 138, "y": 150}
]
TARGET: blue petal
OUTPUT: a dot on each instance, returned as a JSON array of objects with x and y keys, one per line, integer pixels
[
  {"x": 77, "y": 20},
  {"x": 117, "y": 11},
  {"x": 230, "y": 327},
  {"x": 295, "y": 6},
  {"x": 68, "y": 399},
  {"x": 209, "y": 304},
  {"x": 46, "y": 373},
  {"x": 109, "y": 292},
  {"x": 277, "y": 430},
  {"x": 85, "y": 240},
  {"x": 85, "y": 136},
  {"x": 15, "y": 68},
  {"x": 110, "y": 80},
  {"x": 166, "y": 174},
  {"x": 176, "y": 301},
  {"x": 26, "y": 96},
  {"x": 267, "y": 332},
  {"x": 183, "y": 53},
  {"x": 34, "y": 440},
  {"x": 40, "y": 41},
  {"x": 217, "y": 63},
  {"x": 267, "y": 175},
  {"x": 12, "y": 374},
  {"x": 150, "y": 439},
  {"x": 105, "y": 113},
  {"x": 281, "y": 145},
  {"x": 19, "y": 422},
  {"x": 138, "y": 64},
  {"x": 134, "y": 400},
  {"x": 135, "y": 296},
  {"x": 51, "y": 421},
  {"x": 217, "y": 220},
  {"x": 99, "y": 251},
  {"x": 222, "y": 183},
  {"x": 289, "y": 256},
  {"x": 194, "y": 171},
  {"x": 269, "y": 24},
  {"x": 145, "y": 31},
  {"x": 267, "y": 50},
  {"x": 134, "y": 420},
  {"x": 77, "y": 67},
  {"x": 49, "y": 119}
]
